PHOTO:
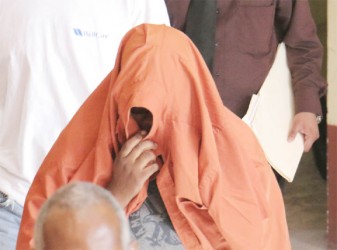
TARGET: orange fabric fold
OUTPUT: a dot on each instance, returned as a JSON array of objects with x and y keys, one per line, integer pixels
[{"x": 216, "y": 184}]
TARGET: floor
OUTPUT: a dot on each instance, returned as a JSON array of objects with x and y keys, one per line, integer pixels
[{"x": 306, "y": 206}]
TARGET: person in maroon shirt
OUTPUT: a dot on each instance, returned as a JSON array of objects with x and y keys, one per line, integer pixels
[{"x": 245, "y": 37}]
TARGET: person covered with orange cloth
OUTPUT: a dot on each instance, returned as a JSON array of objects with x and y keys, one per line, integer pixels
[{"x": 211, "y": 173}]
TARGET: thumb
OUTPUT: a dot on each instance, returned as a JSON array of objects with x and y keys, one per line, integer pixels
[{"x": 292, "y": 134}]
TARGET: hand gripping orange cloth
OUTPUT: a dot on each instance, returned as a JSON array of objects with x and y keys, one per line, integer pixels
[{"x": 217, "y": 186}]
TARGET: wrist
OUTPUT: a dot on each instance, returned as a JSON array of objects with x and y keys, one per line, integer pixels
[
  {"x": 319, "y": 119},
  {"x": 119, "y": 196}
]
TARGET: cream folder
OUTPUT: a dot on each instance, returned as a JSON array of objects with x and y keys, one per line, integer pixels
[{"x": 270, "y": 116}]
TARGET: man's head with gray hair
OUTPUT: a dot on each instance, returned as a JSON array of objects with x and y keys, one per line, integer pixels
[{"x": 82, "y": 216}]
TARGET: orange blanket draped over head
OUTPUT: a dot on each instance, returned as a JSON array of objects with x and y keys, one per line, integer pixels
[{"x": 216, "y": 184}]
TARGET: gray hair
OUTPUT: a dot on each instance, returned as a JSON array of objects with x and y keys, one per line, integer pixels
[{"x": 77, "y": 196}]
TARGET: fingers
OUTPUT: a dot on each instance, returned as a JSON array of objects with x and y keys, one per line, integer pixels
[
  {"x": 309, "y": 136},
  {"x": 150, "y": 170},
  {"x": 305, "y": 123},
  {"x": 309, "y": 140},
  {"x": 292, "y": 134},
  {"x": 136, "y": 154},
  {"x": 143, "y": 152},
  {"x": 308, "y": 144},
  {"x": 146, "y": 158},
  {"x": 131, "y": 143}
]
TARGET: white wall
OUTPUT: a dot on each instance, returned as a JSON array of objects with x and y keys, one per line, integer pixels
[{"x": 332, "y": 63}]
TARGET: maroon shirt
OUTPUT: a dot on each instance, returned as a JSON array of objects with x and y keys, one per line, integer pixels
[{"x": 247, "y": 35}]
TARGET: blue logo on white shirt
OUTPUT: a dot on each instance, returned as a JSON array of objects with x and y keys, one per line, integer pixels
[{"x": 93, "y": 34}]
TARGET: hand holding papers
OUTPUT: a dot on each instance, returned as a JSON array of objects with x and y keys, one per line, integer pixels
[{"x": 270, "y": 115}]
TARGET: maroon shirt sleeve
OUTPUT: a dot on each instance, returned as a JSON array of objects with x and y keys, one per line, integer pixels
[{"x": 304, "y": 51}]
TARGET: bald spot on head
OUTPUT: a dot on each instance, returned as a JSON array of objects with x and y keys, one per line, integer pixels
[{"x": 94, "y": 227}]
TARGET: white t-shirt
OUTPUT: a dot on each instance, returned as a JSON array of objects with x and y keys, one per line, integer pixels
[{"x": 53, "y": 54}]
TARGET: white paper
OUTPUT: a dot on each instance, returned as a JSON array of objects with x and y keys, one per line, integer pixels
[{"x": 270, "y": 115}]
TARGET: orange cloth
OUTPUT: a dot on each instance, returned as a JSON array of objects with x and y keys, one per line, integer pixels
[{"x": 217, "y": 186}]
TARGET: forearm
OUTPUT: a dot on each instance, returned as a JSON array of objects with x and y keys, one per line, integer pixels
[{"x": 305, "y": 53}]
